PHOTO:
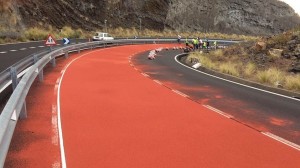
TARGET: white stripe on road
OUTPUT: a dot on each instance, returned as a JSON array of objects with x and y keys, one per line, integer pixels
[
  {"x": 41, "y": 46},
  {"x": 22, "y": 49},
  {"x": 32, "y": 47},
  {"x": 180, "y": 93},
  {"x": 284, "y": 141},
  {"x": 60, "y": 133},
  {"x": 218, "y": 111},
  {"x": 145, "y": 75},
  {"x": 158, "y": 82},
  {"x": 3, "y": 52},
  {"x": 12, "y": 50},
  {"x": 233, "y": 81}
]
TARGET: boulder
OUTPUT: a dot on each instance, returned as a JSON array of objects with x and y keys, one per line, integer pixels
[
  {"x": 275, "y": 52},
  {"x": 259, "y": 46}
]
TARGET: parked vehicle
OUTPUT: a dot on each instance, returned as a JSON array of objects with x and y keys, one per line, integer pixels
[{"x": 100, "y": 36}]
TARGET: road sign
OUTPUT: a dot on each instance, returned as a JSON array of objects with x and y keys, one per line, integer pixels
[
  {"x": 66, "y": 41},
  {"x": 50, "y": 41}
]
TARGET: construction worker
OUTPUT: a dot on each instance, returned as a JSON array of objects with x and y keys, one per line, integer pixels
[
  {"x": 186, "y": 42},
  {"x": 197, "y": 43},
  {"x": 194, "y": 43},
  {"x": 204, "y": 45},
  {"x": 215, "y": 45}
]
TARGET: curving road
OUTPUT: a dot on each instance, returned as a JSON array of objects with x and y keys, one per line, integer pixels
[
  {"x": 259, "y": 110},
  {"x": 110, "y": 114},
  {"x": 12, "y": 53}
]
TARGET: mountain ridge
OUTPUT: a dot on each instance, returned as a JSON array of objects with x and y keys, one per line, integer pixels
[{"x": 257, "y": 17}]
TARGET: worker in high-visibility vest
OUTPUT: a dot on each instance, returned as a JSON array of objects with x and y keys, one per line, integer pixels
[
  {"x": 204, "y": 44},
  {"x": 186, "y": 42},
  {"x": 215, "y": 45},
  {"x": 197, "y": 44}
]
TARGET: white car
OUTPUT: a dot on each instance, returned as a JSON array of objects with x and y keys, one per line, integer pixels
[{"x": 99, "y": 36}]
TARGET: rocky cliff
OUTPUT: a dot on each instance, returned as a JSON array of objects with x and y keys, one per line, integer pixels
[{"x": 258, "y": 17}]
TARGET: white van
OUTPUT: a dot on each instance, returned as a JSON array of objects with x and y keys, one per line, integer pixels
[{"x": 99, "y": 36}]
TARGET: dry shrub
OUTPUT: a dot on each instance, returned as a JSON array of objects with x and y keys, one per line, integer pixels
[
  {"x": 229, "y": 68},
  {"x": 271, "y": 76},
  {"x": 250, "y": 69},
  {"x": 205, "y": 60},
  {"x": 68, "y": 32},
  {"x": 292, "y": 82},
  {"x": 36, "y": 34}
]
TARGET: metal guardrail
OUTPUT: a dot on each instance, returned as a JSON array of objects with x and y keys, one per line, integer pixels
[{"x": 22, "y": 75}]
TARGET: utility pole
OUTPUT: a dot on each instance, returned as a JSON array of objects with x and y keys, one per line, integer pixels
[
  {"x": 105, "y": 25},
  {"x": 140, "y": 19}
]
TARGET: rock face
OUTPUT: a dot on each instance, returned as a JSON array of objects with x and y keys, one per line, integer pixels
[
  {"x": 255, "y": 17},
  {"x": 240, "y": 16},
  {"x": 10, "y": 19}
]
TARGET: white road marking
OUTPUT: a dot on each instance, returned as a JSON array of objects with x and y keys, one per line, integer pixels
[
  {"x": 233, "y": 81},
  {"x": 60, "y": 133},
  {"x": 22, "y": 49},
  {"x": 32, "y": 47},
  {"x": 3, "y": 52},
  {"x": 284, "y": 141},
  {"x": 158, "y": 82},
  {"x": 41, "y": 46},
  {"x": 218, "y": 111},
  {"x": 13, "y": 50},
  {"x": 145, "y": 75},
  {"x": 180, "y": 93},
  {"x": 54, "y": 125}
]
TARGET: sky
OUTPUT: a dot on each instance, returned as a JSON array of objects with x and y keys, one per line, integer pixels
[{"x": 294, "y": 4}]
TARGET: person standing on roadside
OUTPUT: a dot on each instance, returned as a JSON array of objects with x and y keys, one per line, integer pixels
[
  {"x": 194, "y": 43},
  {"x": 215, "y": 44},
  {"x": 197, "y": 43},
  {"x": 186, "y": 42},
  {"x": 178, "y": 39},
  {"x": 200, "y": 43}
]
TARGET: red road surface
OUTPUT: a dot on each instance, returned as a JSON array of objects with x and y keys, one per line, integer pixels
[{"x": 113, "y": 116}]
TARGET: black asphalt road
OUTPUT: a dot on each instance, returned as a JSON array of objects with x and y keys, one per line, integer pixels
[
  {"x": 259, "y": 110},
  {"x": 12, "y": 53}
]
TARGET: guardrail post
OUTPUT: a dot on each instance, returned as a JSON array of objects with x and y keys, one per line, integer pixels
[
  {"x": 14, "y": 77},
  {"x": 78, "y": 50},
  {"x": 23, "y": 113},
  {"x": 67, "y": 55},
  {"x": 41, "y": 71},
  {"x": 53, "y": 62}
]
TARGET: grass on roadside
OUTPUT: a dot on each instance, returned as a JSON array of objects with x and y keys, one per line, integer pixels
[
  {"x": 229, "y": 68},
  {"x": 39, "y": 33},
  {"x": 292, "y": 82}
]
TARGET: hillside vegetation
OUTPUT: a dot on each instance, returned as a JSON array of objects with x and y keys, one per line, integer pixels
[{"x": 273, "y": 61}]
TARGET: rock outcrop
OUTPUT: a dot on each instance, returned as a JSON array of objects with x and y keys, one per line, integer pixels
[{"x": 255, "y": 17}]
